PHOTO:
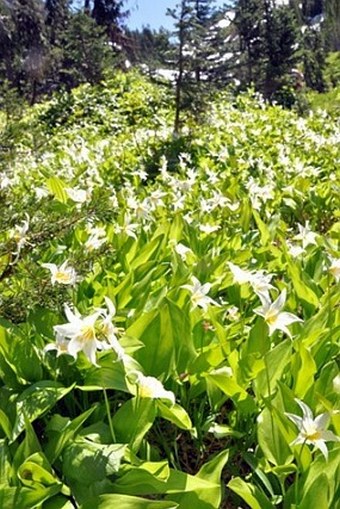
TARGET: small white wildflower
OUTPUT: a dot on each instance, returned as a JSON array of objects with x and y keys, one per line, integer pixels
[
  {"x": 151, "y": 387},
  {"x": 306, "y": 235},
  {"x": 334, "y": 268},
  {"x": 271, "y": 312},
  {"x": 312, "y": 431},
  {"x": 182, "y": 250},
  {"x": 64, "y": 274},
  {"x": 77, "y": 195},
  {"x": 199, "y": 293},
  {"x": 81, "y": 333}
]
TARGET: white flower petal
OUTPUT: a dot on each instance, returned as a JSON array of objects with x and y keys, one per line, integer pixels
[
  {"x": 75, "y": 346},
  {"x": 320, "y": 444},
  {"x": 295, "y": 418},
  {"x": 322, "y": 420},
  {"x": 307, "y": 413}
]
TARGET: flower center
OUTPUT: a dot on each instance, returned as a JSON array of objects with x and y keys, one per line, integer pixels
[
  {"x": 62, "y": 277},
  {"x": 87, "y": 333},
  {"x": 313, "y": 435},
  {"x": 271, "y": 317}
]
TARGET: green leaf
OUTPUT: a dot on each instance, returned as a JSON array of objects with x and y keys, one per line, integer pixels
[
  {"x": 317, "y": 494},
  {"x": 58, "y": 502},
  {"x": 110, "y": 375},
  {"x": 229, "y": 386},
  {"x": 5, "y": 424},
  {"x": 157, "y": 356},
  {"x": 133, "y": 420},
  {"x": 88, "y": 462},
  {"x": 147, "y": 252},
  {"x": 303, "y": 370},
  {"x": 329, "y": 468},
  {"x": 262, "y": 227},
  {"x": 250, "y": 494},
  {"x": 276, "y": 361},
  {"x": 59, "y": 439},
  {"x": 35, "y": 401},
  {"x": 36, "y": 469},
  {"x": 57, "y": 188},
  {"x": 305, "y": 294},
  {"x": 175, "y": 414},
  {"x": 24, "y": 498},
  {"x": 202, "y": 491},
  {"x": 19, "y": 353},
  {"x": 126, "y": 502},
  {"x": 271, "y": 440}
]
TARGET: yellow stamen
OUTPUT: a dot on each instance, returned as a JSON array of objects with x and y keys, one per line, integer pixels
[
  {"x": 313, "y": 435},
  {"x": 87, "y": 333},
  {"x": 62, "y": 277},
  {"x": 271, "y": 318}
]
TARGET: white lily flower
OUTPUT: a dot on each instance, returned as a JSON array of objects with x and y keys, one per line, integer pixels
[
  {"x": 334, "y": 268},
  {"x": 208, "y": 228},
  {"x": 271, "y": 312},
  {"x": 77, "y": 195},
  {"x": 150, "y": 387},
  {"x": 312, "y": 431},
  {"x": 156, "y": 198},
  {"x": 18, "y": 233},
  {"x": 60, "y": 345},
  {"x": 129, "y": 228},
  {"x": 260, "y": 283},
  {"x": 81, "y": 333},
  {"x": 306, "y": 235},
  {"x": 240, "y": 276},
  {"x": 199, "y": 293},
  {"x": 64, "y": 274},
  {"x": 182, "y": 250},
  {"x": 294, "y": 250}
]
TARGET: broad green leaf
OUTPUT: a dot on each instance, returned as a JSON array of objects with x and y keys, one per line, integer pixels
[
  {"x": 276, "y": 362},
  {"x": 229, "y": 386},
  {"x": 126, "y": 502},
  {"x": 147, "y": 252},
  {"x": 59, "y": 439},
  {"x": 329, "y": 468},
  {"x": 305, "y": 294},
  {"x": 133, "y": 420},
  {"x": 317, "y": 494},
  {"x": 175, "y": 414},
  {"x": 24, "y": 498},
  {"x": 5, "y": 424},
  {"x": 271, "y": 440},
  {"x": 58, "y": 502},
  {"x": 35, "y": 401},
  {"x": 20, "y": 354},
  {"x": 255, "y": 498},
  {"x": 110, "y": 375},
  {"x": 263, "y": 228},
  {"x": 303, "y": 370},
  {"x": 88, "y": 462},
  {"x": 57, "y": 188},
  {"x": 36, "y": 469},
  {"x": 147, "y": 477},
  {"x": 157, "y": 356},
  {"x": 5, "y": 465}
]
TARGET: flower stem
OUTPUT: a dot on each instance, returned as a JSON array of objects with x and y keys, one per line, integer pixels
[{"x": 107, "y": 405}]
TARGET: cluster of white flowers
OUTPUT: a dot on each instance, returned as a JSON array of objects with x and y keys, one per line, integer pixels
[{"x": 80, "y": 333}]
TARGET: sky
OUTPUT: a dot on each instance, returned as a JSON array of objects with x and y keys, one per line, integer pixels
[{"x": 152, "y": 12}]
